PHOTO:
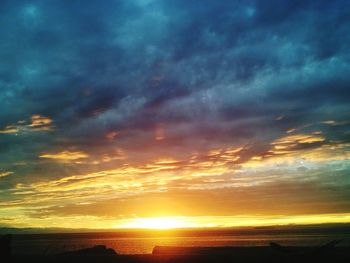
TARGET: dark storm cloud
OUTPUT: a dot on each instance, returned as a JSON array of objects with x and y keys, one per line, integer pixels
[{"x": 215, "y": 71}]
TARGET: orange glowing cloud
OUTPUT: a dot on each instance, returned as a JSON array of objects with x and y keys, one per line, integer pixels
[
  {"x": 308, "y": 147},
  {"x": 299, "y": 138},
  {"x": 38, "y": 123},
  {"x": 65, "y": 156},
  {"x": 112, "y": 135}
]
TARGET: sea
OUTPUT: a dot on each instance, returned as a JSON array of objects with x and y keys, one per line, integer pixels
[{"x": 143, "y": 241}]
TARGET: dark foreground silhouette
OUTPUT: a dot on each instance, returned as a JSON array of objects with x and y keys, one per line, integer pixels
[
  {"x": 5, "y": 247},
  {"x": 163, "y": 254}
]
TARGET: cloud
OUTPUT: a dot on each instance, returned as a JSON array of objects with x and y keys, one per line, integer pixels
[
  {"x": 4, "y": 174},
  {"x": 10, "y": 129},
  {"x": 37, "y": 124},
  {"x": 40, "y": 123},
  {"x": 65, "y": 156},
  {"x": 296, "y": 142}
]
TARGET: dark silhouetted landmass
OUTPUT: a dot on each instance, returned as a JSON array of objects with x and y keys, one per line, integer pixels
[
  {"x": 200, "y": 254},
  {"x": 334, "y": 251}
]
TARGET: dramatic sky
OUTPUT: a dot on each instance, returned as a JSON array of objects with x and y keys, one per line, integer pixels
[{"x": 206, "y": 113}]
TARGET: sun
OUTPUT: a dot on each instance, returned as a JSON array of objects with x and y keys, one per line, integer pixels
[{"x": 158, "y": 223}]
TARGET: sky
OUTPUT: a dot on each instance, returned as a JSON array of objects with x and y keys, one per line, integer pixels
[{"x": 179, "y": 113}]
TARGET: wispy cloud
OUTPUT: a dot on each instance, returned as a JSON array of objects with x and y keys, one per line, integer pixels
[
  {"x": 4, "y": 174},
  {"x": 65, "y": 156}
]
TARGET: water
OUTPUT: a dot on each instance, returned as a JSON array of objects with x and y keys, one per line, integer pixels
[{"x": 143, "y": 243}]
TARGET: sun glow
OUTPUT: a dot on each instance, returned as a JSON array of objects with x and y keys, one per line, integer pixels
[
  {"x": 177, "y": 222},
  {"x": 159, "y": 223}
]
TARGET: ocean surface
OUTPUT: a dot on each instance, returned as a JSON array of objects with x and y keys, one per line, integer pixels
[{"x": 143, "y": 242}]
